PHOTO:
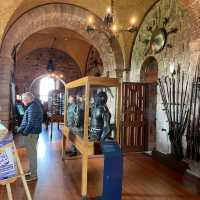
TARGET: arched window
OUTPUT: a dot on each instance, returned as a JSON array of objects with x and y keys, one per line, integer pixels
[{"x": 46, "y": 85}]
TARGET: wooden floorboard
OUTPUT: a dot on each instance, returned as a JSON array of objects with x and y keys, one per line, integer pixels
[{"x": 144, "y": 178}]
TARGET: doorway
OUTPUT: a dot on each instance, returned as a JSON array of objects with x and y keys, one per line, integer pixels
[
  {"x": 149, "y": 76},
  {"x": 47, "y": 84},
  {"x": 139, "y": 110}
]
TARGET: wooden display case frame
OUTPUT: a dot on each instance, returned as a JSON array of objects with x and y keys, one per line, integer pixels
[{"x": 86, "y": 147}]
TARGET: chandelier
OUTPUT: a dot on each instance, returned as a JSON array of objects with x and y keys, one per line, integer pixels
[
  {"x": 56, "y": 75},
  {"x": 111, "y": 30},
  {"x": 51, "y": 70}
]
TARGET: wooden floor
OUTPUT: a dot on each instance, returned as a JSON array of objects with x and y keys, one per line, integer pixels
[{"x": 144, "y": 178}]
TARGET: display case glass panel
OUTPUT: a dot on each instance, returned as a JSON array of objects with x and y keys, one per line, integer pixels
[
  {"x": 102, "y": 118},
  {"x": 75, "y": 101},
  {"x": 102, "y": 112}
]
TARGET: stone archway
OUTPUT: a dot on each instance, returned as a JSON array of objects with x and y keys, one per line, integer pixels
[
  {"x": 35, "y": 84},
  {"x": 149, "y": 76},
  {"x": 181, "y": 16},
  {"x": 46, "y": 16},
  {"x": 65, "y": 16},
  {"x": 36, "y": 62},
  {"x": 185, "y": 20},
  {"x": 40, "y": 77}
]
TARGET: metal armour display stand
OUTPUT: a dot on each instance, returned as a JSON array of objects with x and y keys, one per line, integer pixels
[{"x": 113, "y": 171}]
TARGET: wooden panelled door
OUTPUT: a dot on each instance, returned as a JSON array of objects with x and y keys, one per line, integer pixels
[{"x": 135, "y": 127}]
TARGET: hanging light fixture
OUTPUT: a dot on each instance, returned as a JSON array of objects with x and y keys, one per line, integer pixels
[
  {"x": 110, "y": 25},
  {"x": 50, "y": 65}
]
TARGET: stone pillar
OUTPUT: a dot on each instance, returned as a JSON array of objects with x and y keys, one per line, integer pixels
[
  {"x": 5, "y": 75},
  {"x": 126, "y": 75},
  {"x": 195, "y": 53}
]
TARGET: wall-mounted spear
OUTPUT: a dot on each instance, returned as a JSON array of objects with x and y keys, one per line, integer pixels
[{"x": 175, "y": 97}]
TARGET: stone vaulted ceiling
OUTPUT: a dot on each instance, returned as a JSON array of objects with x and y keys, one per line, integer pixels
[
  {"x": 11, "y": 10},
  {"x": 62, "y": 39}
]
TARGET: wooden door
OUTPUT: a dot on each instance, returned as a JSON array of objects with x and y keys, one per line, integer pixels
[
  {"x": 133, "y": 102},
  {"x": 136, "y": 123}
]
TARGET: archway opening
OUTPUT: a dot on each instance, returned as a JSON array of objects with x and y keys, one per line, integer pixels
[
  {"x": 62, "y": 46},
  {"x": 149, "y": 70},
  {"x": 42, "y": 85},
  {"x": 33, "y": 65},
  {"x": 47, "y": 84},
  {"x": 149, "y": 76}
]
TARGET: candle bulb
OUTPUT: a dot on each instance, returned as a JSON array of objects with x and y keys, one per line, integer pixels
[
  {"x": 109, "y": 10},
  {"x": 133, "y": 21},
  {"x": 114, "y": 28},
  {"x": 90, "y": 20}
]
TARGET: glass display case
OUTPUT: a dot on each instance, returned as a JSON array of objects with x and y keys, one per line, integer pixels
[
  {"x": 91, "y": 111},
  {"x": 92, "y": 108}
]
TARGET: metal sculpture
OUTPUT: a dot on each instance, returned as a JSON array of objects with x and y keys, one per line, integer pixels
[{"x": 100, "y": 118}]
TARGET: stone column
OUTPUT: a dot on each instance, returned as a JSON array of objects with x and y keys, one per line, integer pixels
[
  {"x": 5, "y": 76},
  {"x": 126, "y": 75}
]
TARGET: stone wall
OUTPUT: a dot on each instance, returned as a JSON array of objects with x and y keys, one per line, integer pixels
[
  {"x": 94, "y": 64},
  {"x": 5, "y": 75},
  {"x": 193, "y": 9},
  {"x": 34, "y": 65},
  {"x": 175, "y": 51},
  {"x": 181, "y": 48}
]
